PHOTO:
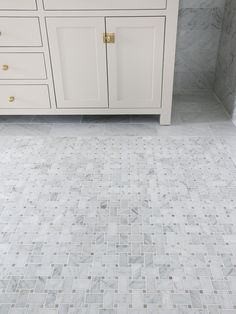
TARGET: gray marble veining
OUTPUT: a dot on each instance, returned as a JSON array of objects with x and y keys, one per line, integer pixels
[
  {"x": 96, "y": 220},
  {"x": 199, "y": 29},
  {"x": 119, "y": 225},
  {"x": 225, "y": 82}
]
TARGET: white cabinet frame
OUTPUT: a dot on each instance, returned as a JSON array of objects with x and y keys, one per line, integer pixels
[
  {"x": 104, "y": 4},
  {"x": 170, "y": 13}
]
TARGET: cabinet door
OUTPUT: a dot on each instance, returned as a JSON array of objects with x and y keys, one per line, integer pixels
[
  {"x": 135, "y": 61},
  {"x": 78, "y": 61}
]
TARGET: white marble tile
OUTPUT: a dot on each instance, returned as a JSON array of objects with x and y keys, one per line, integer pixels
[
  {"x": 197, "y": 129},
  {"x": 131, "y": 129},
  {"x": 57, "y": 119},
  {"x": 24, "y": 129},
  {"x": 196, "y": 102},
  {"x": 225, "y": 80},
  {"x": 117, "y": 224},
  {"x": 223, "y": 129},
  {"x": 202, "y": 3},
  {"x": 201, "y": 18},
  {"x": 144, "y": 118},
  {"x": 77, "y": 129},
  {"x": 106, "y": 119},
  {"x": 193, "y": 81},
  {"x": 16, "y": 119},
  {"x": 204, "y": 117},
  {"x": 199, "y": 31}
]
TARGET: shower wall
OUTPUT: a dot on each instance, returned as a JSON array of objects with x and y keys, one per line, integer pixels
[
  {"x": 199, "y": 30},
  {"x": 225, "y": 80}
]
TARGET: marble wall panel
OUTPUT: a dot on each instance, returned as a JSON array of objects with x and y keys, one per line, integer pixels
[
  {"x": 225, "y": 78},
  {"x": 199, "y": 29}
]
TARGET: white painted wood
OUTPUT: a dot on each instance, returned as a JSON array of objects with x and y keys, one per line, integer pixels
[
  {"x": 26, "y": 97},
  {"x": 169, "y": 61},
  {"x": 104, "y": 4},
  {"x": 29, "y": 41},
  {"x": 20, "y": 31},
  {"x": 135, "y": 61},
  {"x": 47, "y": 57},
  {"x": 81, "y": 111},
  {"x": 22, "y": 66},
  {"x": 79, "y": 61},
  {"x": 17, "y": 5}
]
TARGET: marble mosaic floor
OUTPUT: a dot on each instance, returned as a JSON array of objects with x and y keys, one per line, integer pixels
[{"x": 131, "y": 219}]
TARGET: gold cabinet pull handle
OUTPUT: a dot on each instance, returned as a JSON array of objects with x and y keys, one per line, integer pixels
[
  {"x": 5, "y": 67},
  {"x": 109, "y": 38},
  {"x": 104, "y": 38},
  {"x": 11, "y": 98}
]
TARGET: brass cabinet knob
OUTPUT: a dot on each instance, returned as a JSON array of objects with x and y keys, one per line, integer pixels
[
  {"x": 109, "y": 38},
  {"x": 5, "y": 67},
  {"x": 11, "y": 98}
]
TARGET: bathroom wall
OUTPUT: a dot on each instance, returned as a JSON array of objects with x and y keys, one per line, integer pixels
[
  {"x": 199, "y": 30},
  {"x": 225, "y": 82}
]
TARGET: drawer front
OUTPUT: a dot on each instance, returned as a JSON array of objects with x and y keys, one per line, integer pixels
[
  {"x": 24, "y": 97},
  {"x": 20, "y": 32},
  {"x": 104, "y": 4},
  {"x": 17, "y": 5},
  {"x": 22, "y": 66}
]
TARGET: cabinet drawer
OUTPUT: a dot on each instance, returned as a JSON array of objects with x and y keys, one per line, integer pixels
[
  {"x": 104, "y": 4},
  {"x": 24, "y": 97},
  {"x": 22, "y": 66},
  {"x": 17, "y": 5},
  {"x": 20, "y": 32}
]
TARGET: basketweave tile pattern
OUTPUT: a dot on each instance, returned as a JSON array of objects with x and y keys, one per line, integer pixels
[{"x": 116, "y": 225}]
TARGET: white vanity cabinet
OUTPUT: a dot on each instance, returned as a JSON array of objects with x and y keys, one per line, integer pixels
[{"x": 88, "y": 56}]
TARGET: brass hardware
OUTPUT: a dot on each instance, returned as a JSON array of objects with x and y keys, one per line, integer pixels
[
  {"x": 11, "y": 98},
  {"x": 109, "y": 38},
  {"x": 5, "y": 67}
]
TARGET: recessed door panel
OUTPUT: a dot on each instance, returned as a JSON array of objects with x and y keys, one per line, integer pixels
[
  {"x": 78, "y": 61},
  {"x": 135, "y": 61}
]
